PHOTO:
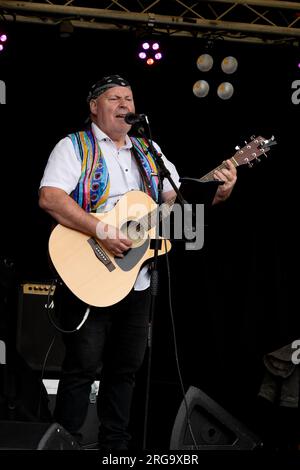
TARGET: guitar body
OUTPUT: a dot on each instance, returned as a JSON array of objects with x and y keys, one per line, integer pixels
[{"x": 93, "y": 274}]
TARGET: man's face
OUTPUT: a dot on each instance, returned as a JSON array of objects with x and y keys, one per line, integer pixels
[{"x": 110, "y": 108}]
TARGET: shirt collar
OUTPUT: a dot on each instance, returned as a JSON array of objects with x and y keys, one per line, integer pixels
[{"x": 100, "y": 135}]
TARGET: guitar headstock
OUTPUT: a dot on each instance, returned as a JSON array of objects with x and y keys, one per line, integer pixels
[{"x": 253, "y": 150}]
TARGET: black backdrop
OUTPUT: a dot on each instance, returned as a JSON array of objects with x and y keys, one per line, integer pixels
[{"x": 233, "y": 299}]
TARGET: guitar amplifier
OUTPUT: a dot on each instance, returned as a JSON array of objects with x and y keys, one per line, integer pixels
[{"x": 35, "y": 331}]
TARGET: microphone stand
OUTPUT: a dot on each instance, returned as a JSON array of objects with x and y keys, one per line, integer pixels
[{"x": 162, "y": 172}]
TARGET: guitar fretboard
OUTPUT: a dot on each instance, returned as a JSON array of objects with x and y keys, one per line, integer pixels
[
  {"x": 210, "y": 176},
  {"x": 150, "y": 220},
  {"x": 245, "y": 155}
]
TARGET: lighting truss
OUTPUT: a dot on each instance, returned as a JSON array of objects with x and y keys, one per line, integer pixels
[{"x": 264, "y": 21}]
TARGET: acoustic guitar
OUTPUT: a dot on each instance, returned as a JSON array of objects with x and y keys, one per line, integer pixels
[{"x": 97, "y": 277}]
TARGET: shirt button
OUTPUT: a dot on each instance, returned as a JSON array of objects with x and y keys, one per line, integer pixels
[{"x": 126, "y": 169}]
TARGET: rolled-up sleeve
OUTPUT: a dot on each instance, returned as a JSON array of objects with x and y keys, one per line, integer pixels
[{"x": 63, "y": 168}]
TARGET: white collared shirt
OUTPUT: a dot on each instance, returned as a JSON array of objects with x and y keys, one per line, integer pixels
[{"x": 63, "y": 171}]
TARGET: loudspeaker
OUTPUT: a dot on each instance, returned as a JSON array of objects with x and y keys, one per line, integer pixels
[
  {"x": 19, "y": 435},
  {"x": 90, "y": 428},
  {"x": 213, "y": 428},
  {"x": 34, "y": 329}
]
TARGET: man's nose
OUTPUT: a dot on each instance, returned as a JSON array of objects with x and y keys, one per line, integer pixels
[{"x": 123, "y": 102}]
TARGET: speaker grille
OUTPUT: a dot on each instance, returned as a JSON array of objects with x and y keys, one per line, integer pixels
[
  {"x": 34, "y": 330},
  {"x": 212, "y": 426},
  {"x": 18, "y": 435}
]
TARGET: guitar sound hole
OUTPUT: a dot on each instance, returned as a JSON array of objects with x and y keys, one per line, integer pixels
[{"x": 135, "y": 232}]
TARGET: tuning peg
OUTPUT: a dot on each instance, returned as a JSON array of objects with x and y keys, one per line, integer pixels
[
  {"x": 252, "y": 137},
  {"x": 250, "y": 165},
  {"x": 237, "y": 147},
  {"x": 270, "y": 142}
]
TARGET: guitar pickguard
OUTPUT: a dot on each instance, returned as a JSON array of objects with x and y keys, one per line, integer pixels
[{"x": 132, "y": 256}]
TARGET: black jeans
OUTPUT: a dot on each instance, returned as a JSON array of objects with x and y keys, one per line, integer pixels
[{"x": 113, "y": 342}]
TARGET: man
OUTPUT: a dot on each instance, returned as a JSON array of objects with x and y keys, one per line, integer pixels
[{"x": 86, "y": 172}]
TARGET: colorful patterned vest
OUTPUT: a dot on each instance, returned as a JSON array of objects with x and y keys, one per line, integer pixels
[{"x": 93, "y": 186}]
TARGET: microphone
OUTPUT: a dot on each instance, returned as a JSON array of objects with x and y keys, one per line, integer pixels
[{"x": 132, "y": 118}]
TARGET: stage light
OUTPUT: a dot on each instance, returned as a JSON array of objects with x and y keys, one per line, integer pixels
[
  {"x": 225, "y": 90},
  {"x": 205, "y": 62},
  {"x": 66, "y": 29},
  {"x": 201, "y": 88},
  {"x": 229, "y": 64},
  {"x": 3, "y": 39},
  {"x": 150, "y": 52}
]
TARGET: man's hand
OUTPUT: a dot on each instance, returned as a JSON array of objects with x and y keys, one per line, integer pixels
[
  {"x": 113, "y": 239},
  {"x": 228, "y": 175}
]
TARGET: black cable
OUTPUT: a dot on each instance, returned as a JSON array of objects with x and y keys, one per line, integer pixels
[
  {"x": 42, "y": 375},
  {"x": 86, "y": 314},
  {"x": 57, "y": 328}
]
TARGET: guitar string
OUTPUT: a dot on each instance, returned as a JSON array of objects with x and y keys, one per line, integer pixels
[{"x": 259, "y": 140}]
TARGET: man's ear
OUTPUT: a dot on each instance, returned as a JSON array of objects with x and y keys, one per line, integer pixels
[{"x": 93, "y": 106}]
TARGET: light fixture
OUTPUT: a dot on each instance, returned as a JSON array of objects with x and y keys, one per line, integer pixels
[
  {"x": 229, "y": 64},
  {"x": 66, "y": 29},
  {"x": 149, "y": 51},
  {"x": 205, "y": 63},
  {"x": 225, "y": 90},
  {"x": 201, "y": 88},
  {"x": 3, "y": 39}
]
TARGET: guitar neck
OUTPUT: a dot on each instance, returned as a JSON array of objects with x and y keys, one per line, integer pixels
[
  {"x": 210, "y": 176},
  {"x": 251, "y": 151},
  {"x": 149, "y": 220}
]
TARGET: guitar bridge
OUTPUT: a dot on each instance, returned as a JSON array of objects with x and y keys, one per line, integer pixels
[{"x": 100, "y": 254}]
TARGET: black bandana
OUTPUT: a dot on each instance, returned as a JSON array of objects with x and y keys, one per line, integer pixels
[{"x": 106, "y": 82}]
